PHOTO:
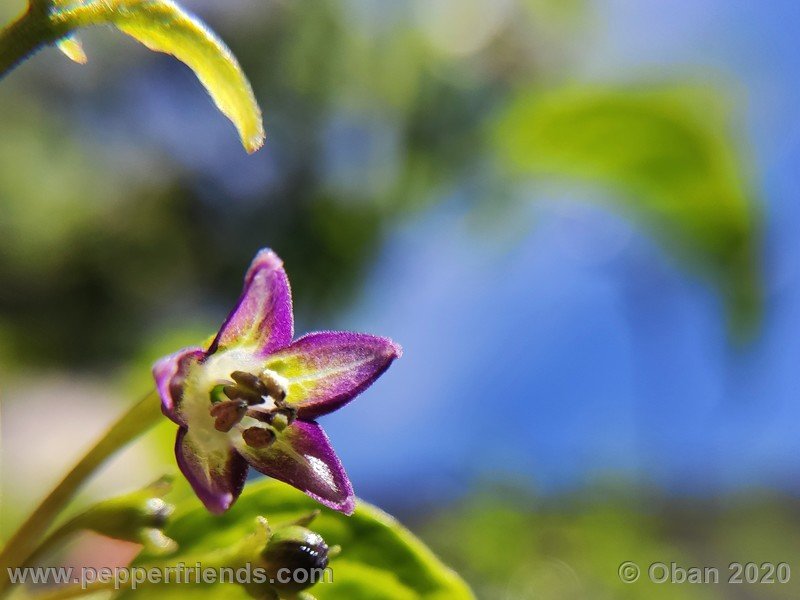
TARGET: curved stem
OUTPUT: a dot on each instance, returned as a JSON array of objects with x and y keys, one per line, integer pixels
[
  {"x": 25, "y": 36},
  {"x": 143, "y": 415},
  {"x": 52, "y": 540}
]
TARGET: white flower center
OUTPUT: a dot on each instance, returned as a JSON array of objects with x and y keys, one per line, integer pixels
[{"x": 231, "y": 395}]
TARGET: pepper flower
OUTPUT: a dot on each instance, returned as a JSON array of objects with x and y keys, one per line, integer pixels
[{"x": 253, "y": 396}]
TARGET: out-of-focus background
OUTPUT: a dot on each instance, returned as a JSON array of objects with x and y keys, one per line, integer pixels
[{"x": 578, "y": 218}]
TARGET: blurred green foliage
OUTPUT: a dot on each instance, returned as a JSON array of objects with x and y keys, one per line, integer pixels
[
  {"x": 108, "y": 235},
  {"x": 669, "y": 156},
  {"x": 513, "y": 546}
]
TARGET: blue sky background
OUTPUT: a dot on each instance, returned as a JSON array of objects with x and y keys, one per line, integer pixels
[{"x": 562, "y": 346}]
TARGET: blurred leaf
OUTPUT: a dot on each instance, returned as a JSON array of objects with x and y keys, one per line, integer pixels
[
  {"x": 669, "y": 153},
  {"x": 564, "y": 548},
  {"x": 557, "y": 11},
  {"x": 380, "y": 559},
  {"x": 163, "y": 26}
]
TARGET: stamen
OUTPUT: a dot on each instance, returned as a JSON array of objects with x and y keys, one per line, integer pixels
[
  {"x": 236, "y": 392},
  {"x": 258, "y": 437},
  {"x": 249, "y": 381},
  {"x": 227, "y": 414},
  {"x": 279, "y": 418},
  {"x": 260, "y": 415},
  {"x": 274, "y": 386}
]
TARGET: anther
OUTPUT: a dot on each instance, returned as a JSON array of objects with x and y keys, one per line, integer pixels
[
  {"x": 249, "y": 381},
  {"x": 261, "y": 415},
  {"x": 227, "y": 414},
  {"x": 274, "y": 386},
  {"x": 237, "y": 392},
  {"x": 279, "y": 418},
  {"x": 258, "y": 437}
]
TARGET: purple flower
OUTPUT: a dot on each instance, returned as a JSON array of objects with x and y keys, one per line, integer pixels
[{"x": 253, "y": 396}]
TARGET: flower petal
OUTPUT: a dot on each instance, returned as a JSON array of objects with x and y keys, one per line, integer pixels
[
  {"x": 170, "y": 375},
  {"x": 263, "y": 316},
  {"x": 303, "y": 457},
  {"x": 325, "y": 370},
  {"x": 217, "y": 477}
]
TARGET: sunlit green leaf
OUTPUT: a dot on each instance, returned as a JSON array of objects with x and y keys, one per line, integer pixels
[
  {"x": 163, "y": 26},
  {"x": 380, "y": 559},
  {"x": 668, "y": 155}
]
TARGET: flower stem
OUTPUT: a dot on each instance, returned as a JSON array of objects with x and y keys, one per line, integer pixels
[
  {"x": 138, "y": 419},
  {"x": 26, "y": 36}
]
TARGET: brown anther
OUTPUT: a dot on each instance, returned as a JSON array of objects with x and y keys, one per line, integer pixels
[
  {"x": 261, "y": 415},
  {"x": 274, "y": 388},
  {"x": 227, "y": 414},
  {"x": 287, "y": 415},
  {"x": 231, "y": 391},
  {"x": 258, "y": 437},
  {"x": 237, "y": 392},
  {"x": 249, "y": 381}
]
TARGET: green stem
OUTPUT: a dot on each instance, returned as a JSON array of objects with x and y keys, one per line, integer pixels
[
  {"x": 25, "y": 36},
  {"x": 143, "y": 415},
  {"x": 53, "y": 540}
]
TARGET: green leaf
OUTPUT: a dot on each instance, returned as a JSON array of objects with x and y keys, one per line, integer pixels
[
  {"x": 380, "y": 559},
  {"x": 163, "y": 26},
  {"x": 669, "y": 158}
]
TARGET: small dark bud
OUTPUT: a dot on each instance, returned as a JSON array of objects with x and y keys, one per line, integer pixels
[{"x": 297, "y": 549}]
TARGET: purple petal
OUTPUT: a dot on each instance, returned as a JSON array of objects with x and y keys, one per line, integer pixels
[
  {"x": 170, "y": 375},
  {"x": 325, "y": 370},
  {"x": 303, "y": 457},
  {"x": 217, "y": 478},
  {"x": 263, "y": 315}
]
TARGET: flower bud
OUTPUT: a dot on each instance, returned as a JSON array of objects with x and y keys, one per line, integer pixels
[
  {"x": 297, "y": 549},
  {"x": 136, "y": 517}
]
